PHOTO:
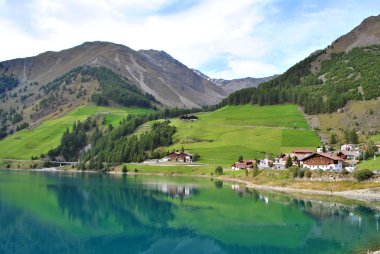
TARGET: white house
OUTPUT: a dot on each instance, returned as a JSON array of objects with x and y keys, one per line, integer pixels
[
  {"x": 348, "y": 147},
  {"x": 322, "y": 161}
]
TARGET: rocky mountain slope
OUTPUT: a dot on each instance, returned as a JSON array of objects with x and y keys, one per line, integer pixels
[
  {"x": 365, "y": 34},
  {"x": 230, "y": 86},
  {"x": 154, "y": 72}
]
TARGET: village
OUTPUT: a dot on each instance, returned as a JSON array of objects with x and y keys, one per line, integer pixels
[{"x": 323, "y": 158}]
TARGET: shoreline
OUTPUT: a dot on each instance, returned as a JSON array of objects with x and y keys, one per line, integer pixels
[{"x": 369, "y": 195}]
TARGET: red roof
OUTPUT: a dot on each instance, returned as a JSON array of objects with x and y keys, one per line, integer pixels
[
  {"x": 239, "y": 165},
  {"x": 303, "y": 151},
  {"x": 326, "y": 155},
  {"x": 247, "y": 161}
]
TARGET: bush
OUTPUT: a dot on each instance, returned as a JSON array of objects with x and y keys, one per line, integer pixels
[
  {"x": 344, "y": 172},
  {"x": 294, "y": 172},
  {"x": 218, "y": 170},
  {"x": 124, "y": 169},
  {"x": 196, "y": 157},
  {"x": 308, "y": 173},
  {"x": 362, "y": 175}
]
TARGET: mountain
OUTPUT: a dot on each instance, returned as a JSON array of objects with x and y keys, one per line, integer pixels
[
  {"x": 327, "y": 79},
  {"x": 230, "y": 86},
  {"x": 154, "y": 72},
  {"x": 367, "y": 33}
]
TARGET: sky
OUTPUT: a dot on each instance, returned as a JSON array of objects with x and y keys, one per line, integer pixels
[{"x": 222, "y": 38}]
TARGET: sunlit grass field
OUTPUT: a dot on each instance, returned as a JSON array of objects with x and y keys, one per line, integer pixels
[
  {"x": 219, "y": 137},
  {"x": 27, "y": 143}
]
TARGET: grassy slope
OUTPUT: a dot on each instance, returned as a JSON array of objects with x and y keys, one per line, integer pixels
[
  {"x": 27, "y": 143},
  {"x": 370, "y": 164},
  {"x": 252, "y": 131}
]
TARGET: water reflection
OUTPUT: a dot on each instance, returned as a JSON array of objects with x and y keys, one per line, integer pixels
[{"x": 72, "y": 213}]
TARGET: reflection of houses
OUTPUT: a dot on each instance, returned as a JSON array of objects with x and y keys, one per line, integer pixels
[
  {"x": 178, "y": 156},
  {"x": 174, "y": 190},
  {"x": 243, "y": 164},
  {"x": 322, "y": 161}
]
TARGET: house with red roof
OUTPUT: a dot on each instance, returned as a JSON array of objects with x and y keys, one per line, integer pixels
[
  {"x": 243, "y": 164},
  {"x": 179, "y": 156},
  {"x": 322, "y": 161}
]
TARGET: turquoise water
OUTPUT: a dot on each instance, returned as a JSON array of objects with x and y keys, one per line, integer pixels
[{"x": 94, "y": 213}]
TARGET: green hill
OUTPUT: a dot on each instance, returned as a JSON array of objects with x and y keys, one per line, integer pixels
[
  {"x": 344, "y": 77},
  {"x": 33, "y": 142},
  {"x": 219, "y": 137}
]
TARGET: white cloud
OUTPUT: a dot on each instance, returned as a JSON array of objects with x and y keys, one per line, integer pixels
[{"x": 241, "y": 33}]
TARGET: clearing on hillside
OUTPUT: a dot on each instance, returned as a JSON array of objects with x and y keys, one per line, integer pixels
[
  {"x": 219, "y": 137},
  {"x": 28, "y": 143}
]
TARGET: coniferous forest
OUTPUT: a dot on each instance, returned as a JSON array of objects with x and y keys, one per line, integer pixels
[{"x": 346, "y": 76}]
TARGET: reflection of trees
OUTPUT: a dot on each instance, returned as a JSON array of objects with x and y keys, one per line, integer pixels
[
  {"x": 218, "y": 184},
  {"x": 22, "y": 233},
  {"x": 98, "y": 199}
]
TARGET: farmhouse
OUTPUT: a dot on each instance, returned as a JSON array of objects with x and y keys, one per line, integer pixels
[
  {"x": 265, "y": 164},
  {"x": 190, "y": 118},
  {"x": 322, "y": 161},
  {"x": 378, "y": 148},
  {"x": 348, "y": 155},
  {"x": 179, "y": 156},
  {"x": 347, "y": 147},
  {"x": 243, "y": 164},
  {"x": 302, "y": 152},
  {"x": 280, "y": 162}
]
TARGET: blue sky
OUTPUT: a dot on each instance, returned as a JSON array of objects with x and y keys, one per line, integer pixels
[{"x": 222, "y": 38}]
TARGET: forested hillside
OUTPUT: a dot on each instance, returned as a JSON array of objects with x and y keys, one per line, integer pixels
[
  {"x": 346, "y": 76},
  {"x": 28, "y": 105}
]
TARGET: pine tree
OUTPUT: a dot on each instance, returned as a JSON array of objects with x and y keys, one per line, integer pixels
[{"x": 289, "y": 162}]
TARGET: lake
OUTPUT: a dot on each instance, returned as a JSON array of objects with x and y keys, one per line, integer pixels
[{"x": 42, "y": 212}]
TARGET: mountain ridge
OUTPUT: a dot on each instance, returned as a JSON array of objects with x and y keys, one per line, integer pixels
[
  {"x": 169, "y": 87},
  {"x": 232, "y": 85}
]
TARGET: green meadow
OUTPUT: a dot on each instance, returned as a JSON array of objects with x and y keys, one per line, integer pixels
[
  {"x": 219, "y": 137},
  {"x": 373, "y": 163},
  {"x": 33, "y": 142}
]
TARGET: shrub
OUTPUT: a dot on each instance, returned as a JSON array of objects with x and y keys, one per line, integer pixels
[
  {"x": 218, "y": 170},
  {"x": 362, "y": 175},
  {"x": 294, "y": 172},
  {"x": 344, "y": 172},
  {"x": 136, "y": 170},
  {"x": 124, "y": 169},
  {"x": 308, "y": 173},
  {"x": 301, "y": 173},
  {"x": 196, "y": 157}
]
